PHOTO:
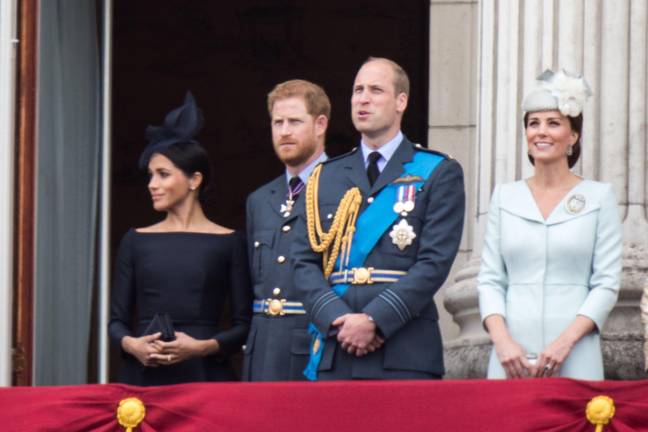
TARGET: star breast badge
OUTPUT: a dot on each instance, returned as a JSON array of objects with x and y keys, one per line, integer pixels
[{"x": 402, "y": 234}]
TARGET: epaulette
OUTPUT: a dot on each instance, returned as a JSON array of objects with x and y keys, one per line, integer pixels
[
  {"x": 419, "y": 147},
  {"x": 353, "y": 150}
]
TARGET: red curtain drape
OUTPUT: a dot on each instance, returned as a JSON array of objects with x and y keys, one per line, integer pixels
[{"x": 477, "y": 405}]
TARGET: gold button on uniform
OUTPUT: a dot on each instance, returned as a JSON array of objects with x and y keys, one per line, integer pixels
[
  {"x": 275, "y": 307},
  {"x": 256, "y": 244},
  {"x": 276, "y": 291},
  {"x": 285, "y": 228},
  {"x": 370, "y": 200},
  {"x": 329, "y": 216},
  {"x": 281, "y": 259}
]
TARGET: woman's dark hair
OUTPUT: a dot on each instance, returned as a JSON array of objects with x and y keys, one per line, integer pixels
[
  {"x": 576, "y": 124},
  {"x": 190, "y": 157}
]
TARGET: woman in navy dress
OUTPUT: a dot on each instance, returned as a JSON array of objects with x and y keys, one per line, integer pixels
[{"x": 184, "y": 266}]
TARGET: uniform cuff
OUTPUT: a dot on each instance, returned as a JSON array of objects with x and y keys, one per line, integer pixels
[
  {"x": 326, "y": 309},
  {"x": 389, "y": 312}
]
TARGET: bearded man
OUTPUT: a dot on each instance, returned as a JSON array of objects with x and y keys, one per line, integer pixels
[{"x": 278, "y": 344}]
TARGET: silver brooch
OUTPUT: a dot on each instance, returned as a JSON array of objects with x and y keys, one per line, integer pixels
[{"x": 575, "y": 204}]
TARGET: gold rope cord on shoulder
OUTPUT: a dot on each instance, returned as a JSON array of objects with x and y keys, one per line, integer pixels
[{"x": 340, "y": 235}]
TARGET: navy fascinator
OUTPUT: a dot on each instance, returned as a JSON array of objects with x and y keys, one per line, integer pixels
[{"x": 180, "y": 125}]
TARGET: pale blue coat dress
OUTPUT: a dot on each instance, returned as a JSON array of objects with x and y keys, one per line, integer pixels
[{"x": 539, "y": 274}]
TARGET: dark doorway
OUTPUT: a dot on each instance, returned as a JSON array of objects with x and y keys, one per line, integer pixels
[{"x": 230, "y": 55}]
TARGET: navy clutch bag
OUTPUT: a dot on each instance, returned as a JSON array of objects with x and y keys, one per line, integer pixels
[{"x": 162, "y": 323}]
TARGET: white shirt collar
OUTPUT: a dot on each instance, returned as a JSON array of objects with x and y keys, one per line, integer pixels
[{"x": 386, "y": 151}]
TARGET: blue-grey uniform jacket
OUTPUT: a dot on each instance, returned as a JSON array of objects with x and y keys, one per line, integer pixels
[
  {"x": 277, "y": 346},
  {"x": 403, "y": 311}
]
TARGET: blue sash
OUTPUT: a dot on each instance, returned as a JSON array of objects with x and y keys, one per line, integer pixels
[{"x": 370, "y": 227}]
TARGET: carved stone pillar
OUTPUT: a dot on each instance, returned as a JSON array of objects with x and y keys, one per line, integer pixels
[{"x": 606, "y": 41}]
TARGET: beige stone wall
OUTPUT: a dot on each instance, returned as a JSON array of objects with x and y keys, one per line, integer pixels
[{"x": 453, "y": 98}]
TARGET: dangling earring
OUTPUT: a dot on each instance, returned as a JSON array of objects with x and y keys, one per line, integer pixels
[{"x": 570, "y": 150}]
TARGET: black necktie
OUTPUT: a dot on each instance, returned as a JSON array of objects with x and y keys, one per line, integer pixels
[
  {"x": 372, "y": 169},
  {"x": 295, "y": 186}
]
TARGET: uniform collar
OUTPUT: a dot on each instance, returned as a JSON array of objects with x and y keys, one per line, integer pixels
[
  {"x": 307, "y": 171},
  {"x": 386, "y": 151}
]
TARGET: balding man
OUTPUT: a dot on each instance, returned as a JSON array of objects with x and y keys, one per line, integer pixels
[{"x": 381, "y": 230}]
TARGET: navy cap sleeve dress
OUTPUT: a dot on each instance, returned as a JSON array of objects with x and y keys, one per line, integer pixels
[{"x": 189, "y": 276}]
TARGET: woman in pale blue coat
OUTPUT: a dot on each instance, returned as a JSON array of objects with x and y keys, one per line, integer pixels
[{"x": 551, "y": 260}]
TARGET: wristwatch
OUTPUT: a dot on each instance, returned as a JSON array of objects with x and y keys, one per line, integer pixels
[{"x": 371, "y": 320}]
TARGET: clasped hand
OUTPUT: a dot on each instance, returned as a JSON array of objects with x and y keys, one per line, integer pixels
[
  {"x": 357, "y": 334},
  {"x": 513, "y": 359},
  {"x": 151, "y": 351}
]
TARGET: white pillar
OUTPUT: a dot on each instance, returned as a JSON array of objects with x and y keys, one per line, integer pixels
[
  {"x": 103, "y": 354},
  {"x": 570, "y": 35},
  {"x": 590, "y": 161},
  {"x": 607, "y": 42},
  {"x": 624, "y": 126},
  {"x": 613, "y": 93},
  {"x": 8, "y": 45}
]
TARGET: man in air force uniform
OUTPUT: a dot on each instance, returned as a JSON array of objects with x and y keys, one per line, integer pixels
[
  {"x": 382, "y": 227},
  {"x": 277, "y": 346}
]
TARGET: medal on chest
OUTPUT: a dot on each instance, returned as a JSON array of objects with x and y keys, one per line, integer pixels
[
  {"x": 293, "y": 192},
  {"x": 405, "y": 199},
  {"x": 287, "y": 207},
  {"x": 402, "y": 233}
]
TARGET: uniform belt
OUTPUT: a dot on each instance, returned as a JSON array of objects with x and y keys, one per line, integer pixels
[
  {"x": 365, "y": 276},
  {"x": 278, "y": 307}
]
